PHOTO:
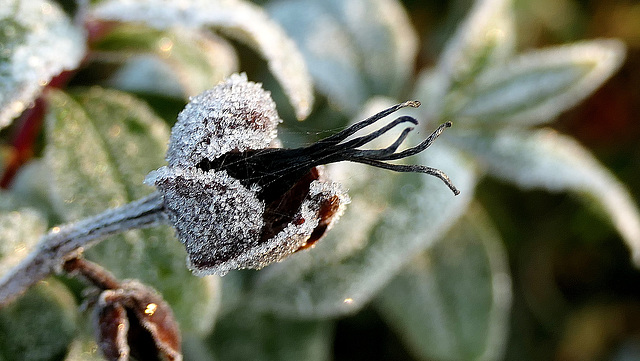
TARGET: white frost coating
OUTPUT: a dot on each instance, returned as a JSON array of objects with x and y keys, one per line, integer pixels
[
  {"x": 236, "y": 115},
  {"x": 557, "y": 163},
  {"x": 537, "y": 86},
  {"x": 353, "y": 48},
  {"x": 293, "y": 236},
  {"x": 215, "y": 216},
  {"x": 489, "y": 26},
  {"x": 239, "y": 19},
  {"x": 37, "y": 42},
  {"x": 220, "y": 221},
  {"x": 21, "y": 231}
]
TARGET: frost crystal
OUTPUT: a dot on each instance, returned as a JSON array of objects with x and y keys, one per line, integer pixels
[
  {"x": 236, "y": 115},
  {"x": 37, "y": 42}
]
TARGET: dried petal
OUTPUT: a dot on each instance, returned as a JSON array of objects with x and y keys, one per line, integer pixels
[
  {"x": 134, "y": 320},
  {"x": 112, "y": 328}
]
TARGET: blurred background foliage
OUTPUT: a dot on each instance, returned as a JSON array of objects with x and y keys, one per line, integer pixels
[{"x": 576, "y": 293}]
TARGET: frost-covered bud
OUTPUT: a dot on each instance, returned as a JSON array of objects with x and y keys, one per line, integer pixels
[
  {"x": 134, "y": 320},
  {"x": 236, "y": 200}
]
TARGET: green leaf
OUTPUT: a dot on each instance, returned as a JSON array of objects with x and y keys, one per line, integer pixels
[
  {"x": 354, "y": 48},
  {"x": 486, "y": 37},
  {"x": 236, "y": 18},
  {"x": 31, "y": 188},
  {"x": 452, "y": 302},
  {"x": 84, "y": 349},
  {"x": 38, "y": 42},
  {"x": 535, "y": 87},
  {"x": 39, "y": 326},
  {"x": 391, "y": 217},
  {"x": 21, "y": 230},
  {"x": 247, "y": 335},
  {"x": 548, "y": 160},
  {"x": 197, "y": 61},
  {"x": 100, "y": 146}
]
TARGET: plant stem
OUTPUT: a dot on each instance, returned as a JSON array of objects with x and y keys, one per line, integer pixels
[
  {"x": 68, "y": 241},
  {"x": 92, "y": 273}
]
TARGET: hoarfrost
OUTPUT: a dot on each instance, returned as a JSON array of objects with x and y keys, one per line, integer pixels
[{"x": 37, "y": 42}]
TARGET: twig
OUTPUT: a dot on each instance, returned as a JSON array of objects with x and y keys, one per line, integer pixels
[{"x": 68, "y": 241}]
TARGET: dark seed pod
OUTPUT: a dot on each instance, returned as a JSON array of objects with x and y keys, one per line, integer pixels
[
  {"x": 227, "y": 216},
  {"x": 134, "y": 321},
  {"x": 237, "y": 201}
]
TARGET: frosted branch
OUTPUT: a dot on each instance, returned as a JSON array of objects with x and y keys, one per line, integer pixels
[{"x": 67, "y": 241}]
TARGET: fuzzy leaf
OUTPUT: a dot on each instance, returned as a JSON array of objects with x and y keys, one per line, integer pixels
[
  {"x": 487, "y": 36},
  {"x": 354, "y": 48},
  {"x": 39, "y": 326},
  {"x": 84, "y": 350},
  {"x": 31, "y": 188},
  {"x": 535, "y": 87},
  {"x": 391, "y": 217},
  {"x": 452, "y": 301},
  {"x": 548, "y": 160},
  {"x": 38, "y": 42},
  {"x": 101, "y": 144},
  {"x": 236, "y": 18},
  {"x": 484, "y": 38},
  {"x": 247, "y": 335},
  {"x": 197, "y": 60},
  {"x": 21, "y": 231}
]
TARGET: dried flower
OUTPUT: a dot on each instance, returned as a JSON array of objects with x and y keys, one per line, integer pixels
[
  {"x": 237, "y": 201},
  {"x": 131, "y": 319},
  {"x": 134, "y": 320}
]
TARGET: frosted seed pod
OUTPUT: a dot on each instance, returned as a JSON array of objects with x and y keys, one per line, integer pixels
[{"x": 236, "y": 201}]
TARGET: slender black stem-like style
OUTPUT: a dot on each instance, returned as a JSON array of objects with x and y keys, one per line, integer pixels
[{"x": 276, "y": 170}]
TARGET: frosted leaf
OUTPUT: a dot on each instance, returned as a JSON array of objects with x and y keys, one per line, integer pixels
[
  {"x": 535, "y": 87},
  {"x": 236, "y": 115},
  {"x": 40, "y": 325},
  {"x": 100, "y": 147},
  {"x": 176, "y": 62},
  {"x": 354, "y": 48},
  {"x": 548, "y": 160},
  {"x": 146, "y": 74},
  {"x": 245, "y": 333},
  {"x": 83, "y": 349},
  {"x": 486, "y": 37},
  {"x": 21, "y": 231},
  {"x": 239, "y": 19},
  {"x": 452, "y": 302},
  {"x": 37, "y": 42}
]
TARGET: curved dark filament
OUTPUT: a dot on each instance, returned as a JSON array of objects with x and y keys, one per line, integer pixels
[{"x": 276, "y": 170}]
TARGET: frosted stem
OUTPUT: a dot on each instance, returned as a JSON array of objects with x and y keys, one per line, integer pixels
[{"x": 68, "y": 241}]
